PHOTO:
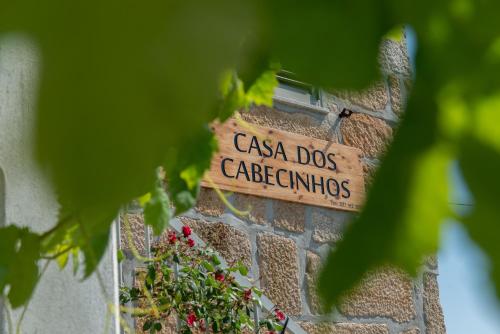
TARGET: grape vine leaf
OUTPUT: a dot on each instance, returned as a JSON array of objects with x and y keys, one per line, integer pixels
[
  {"x": 157, "y": 211},
  {"x": 234, "y": 92},
  {"x": 451, "y": 98},
  {"x": 262, "y": 91},
  {"x": 19, "y": 253}
]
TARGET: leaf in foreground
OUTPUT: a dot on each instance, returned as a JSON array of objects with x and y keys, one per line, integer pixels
[{"x": 19, "y": 253}]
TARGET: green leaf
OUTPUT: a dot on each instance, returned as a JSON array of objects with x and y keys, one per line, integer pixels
[
  {"x": 19, "y": 253},
  {"x": 176, "y": 258},
  {"x": 396, "y": 34},
  {"x": 191, "y": 176},
  {"x": 216, "y": 326},
  {"x": 134, "y": 293},
  {"x": 166, "y": 271},
  {"x": 215, "y": 260},
  {"x": 76, "y": 260},
  {"x": 151, "y": 276},
  {"x": 157, "y": 212},
  {"x": 233, "y": 96},
  {"x": 120, "y": 255},
  {"x": 88, "y": 233},
  {"x": 242, "y": 269},
  {"x": 482, "y": 222},
  {"x": 59, "y": 241},
  {"x": 147, "y": 325},
  {"x": 144, "y": 199},
  {"x": 306, "y": 48},
  {"x": 101, "y": 137},
  {"x": 208, "y": 266},
  {"x": 257, "y": 291},
  {"x": 262, "y": 91},
  {"x": 178, "y": 297},
  {"x": 62, "y": 260},
  {"x": 413, "y": 179},
  {"x": 185, "y": 168},
  {"x": 93, "y": 249}
]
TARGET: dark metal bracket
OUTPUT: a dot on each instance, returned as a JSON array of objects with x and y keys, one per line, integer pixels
[{"x": 345, "y": 113}]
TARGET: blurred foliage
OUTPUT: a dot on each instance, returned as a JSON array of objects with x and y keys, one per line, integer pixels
[
  {"x": 19, "y": 250},
  {"x": 452, "y": 114},
  {"x": 126, "y": 87}
]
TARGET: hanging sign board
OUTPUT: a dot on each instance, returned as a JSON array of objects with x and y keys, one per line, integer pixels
[{"x": 286, "y": 166}]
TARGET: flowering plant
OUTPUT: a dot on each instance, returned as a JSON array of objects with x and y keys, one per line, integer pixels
[{"x": 187, "y": 281}]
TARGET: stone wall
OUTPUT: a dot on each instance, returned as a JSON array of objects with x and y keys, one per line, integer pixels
[{"x": 285, "y": 243}]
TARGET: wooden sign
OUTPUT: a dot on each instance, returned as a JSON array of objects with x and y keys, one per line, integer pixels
[{"x": 286, "y": 166}]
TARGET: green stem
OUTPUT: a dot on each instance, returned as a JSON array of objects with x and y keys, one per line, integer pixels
[{"x": 55, "y": 256}]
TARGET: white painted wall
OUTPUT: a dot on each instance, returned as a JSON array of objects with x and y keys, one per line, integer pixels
[{"x": 61, "y": 303}]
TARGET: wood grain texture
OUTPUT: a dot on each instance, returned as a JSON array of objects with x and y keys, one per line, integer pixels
[{"x": 347, "y": 167}]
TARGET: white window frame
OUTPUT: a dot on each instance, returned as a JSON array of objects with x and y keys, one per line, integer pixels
[{"x": 292, "y": 99}]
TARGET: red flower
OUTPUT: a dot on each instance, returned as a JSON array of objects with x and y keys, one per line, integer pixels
[
  {"x": 186, "y": 231},
  {"x": 279, "y": 315},
  {"x": 191, "y": 318},
  {"x": 172, "y": 237},
  {"x": 219, "y": 276},
  {"x": 247, "y": 294},
  {"x": 190, "y": 242}
]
